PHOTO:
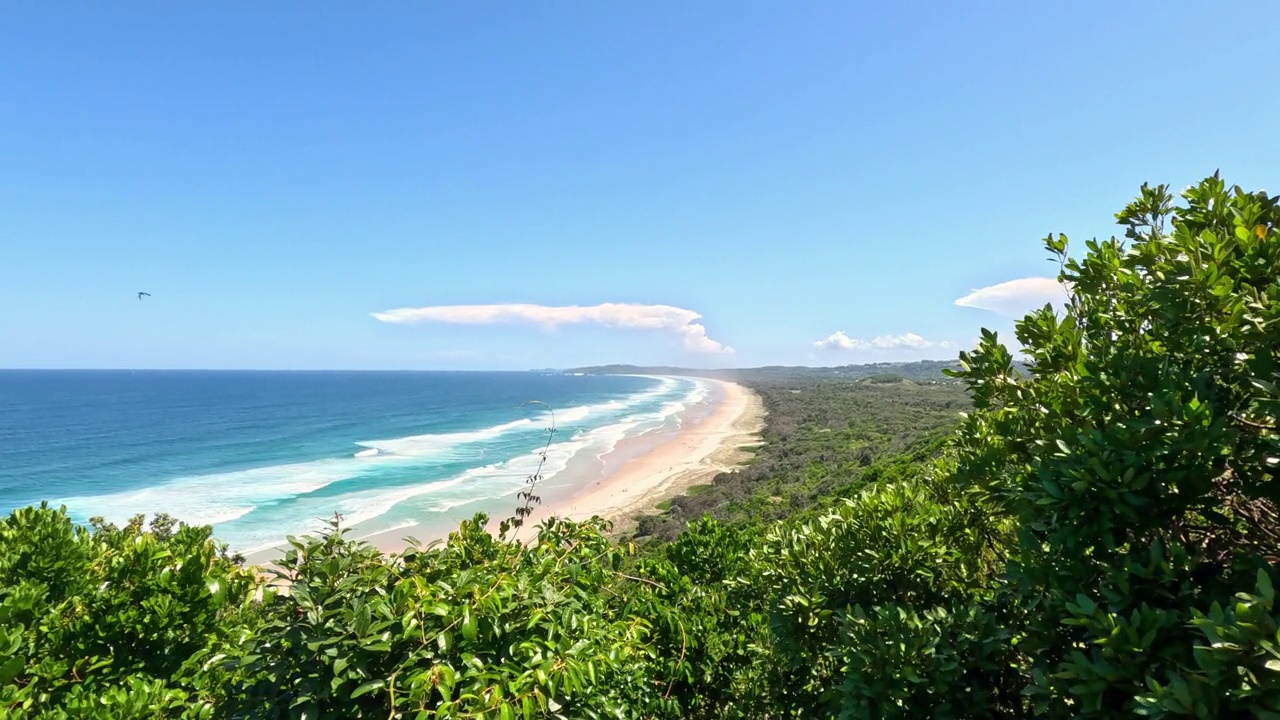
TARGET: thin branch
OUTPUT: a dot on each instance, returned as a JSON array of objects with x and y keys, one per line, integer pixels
[
  {"x": 1250, "y": 423},
  {"x": 683, "y": 645},
  {"x": 527, "y": 496},
  {"x": 643, "y": 580}
]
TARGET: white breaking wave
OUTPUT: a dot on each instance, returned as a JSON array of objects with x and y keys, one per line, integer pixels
[
  {"x": 576, "y": 414},
  {"x": 364, "y": 505},
  {"x": 440, "y": 443},
  {"x": 581, "y": 412},
  {"x": 699, "y": 394},
  {"x": 226, "y": 515},
  {"x": 604, "y": 439},
  {"x": 282, "y": 492},
  {"x": 359, "y": 507},
  {"x": 572, "y": 414},
  {"x": 221, "y": 497},
  {"x": 393, "y": 528}
]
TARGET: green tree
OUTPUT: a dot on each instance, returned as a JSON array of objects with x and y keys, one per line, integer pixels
[{"x": 1138, "y": 457}]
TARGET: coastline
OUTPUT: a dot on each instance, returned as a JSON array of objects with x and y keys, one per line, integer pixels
[
  {"x": 643, "y": 471},
  {"x": 639, "y": 472}
]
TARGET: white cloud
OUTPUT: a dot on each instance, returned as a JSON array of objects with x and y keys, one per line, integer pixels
[
  {"x": 678, "y": 321},
  {"x": 1016, "y": 298},
  {"x": 837, "y": 341},
  {"x": 909, "y": 341}
]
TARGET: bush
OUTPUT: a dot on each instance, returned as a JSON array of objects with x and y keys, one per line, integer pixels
[
  {"x": 896, "y": 661},
  {"x": 477, "y": 627},
  {"x": 1138, "y": 459},
  {"x": 114, "y": 622}
]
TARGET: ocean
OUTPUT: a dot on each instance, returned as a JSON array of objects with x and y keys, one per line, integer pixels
[{"x": 262, "y": 455}]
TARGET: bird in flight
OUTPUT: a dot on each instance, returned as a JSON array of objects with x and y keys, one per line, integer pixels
[{"x": 143, "y": 293}]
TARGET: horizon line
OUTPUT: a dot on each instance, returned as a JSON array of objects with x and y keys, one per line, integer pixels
[{"x": 427, "y": 370}]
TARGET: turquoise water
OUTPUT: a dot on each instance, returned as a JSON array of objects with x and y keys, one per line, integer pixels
[{"x": 260, "y": 455}]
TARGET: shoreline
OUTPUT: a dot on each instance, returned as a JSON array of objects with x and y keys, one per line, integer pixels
[{"x": 638, "y": 472}]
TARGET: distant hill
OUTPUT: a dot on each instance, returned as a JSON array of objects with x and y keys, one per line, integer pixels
[{"x": 920, "y": 371}]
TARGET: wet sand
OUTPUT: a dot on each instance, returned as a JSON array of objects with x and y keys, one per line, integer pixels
[{"x": 639, "y": 472}]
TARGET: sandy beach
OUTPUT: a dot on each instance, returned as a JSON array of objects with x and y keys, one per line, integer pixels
[
  {"x": 656, "y": 468},
  {"x": 642, "y": 471}
]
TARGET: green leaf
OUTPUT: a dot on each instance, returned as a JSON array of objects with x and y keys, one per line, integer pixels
[
  {"x": 10, "y": 669},
  {"x": 1087, "y": 606},
  {"x": 9, "y": 643},
  {"x": 468, "y": 625},
  {"x": 1051, "y": 487},
  {"x": 368, "y": 688}
]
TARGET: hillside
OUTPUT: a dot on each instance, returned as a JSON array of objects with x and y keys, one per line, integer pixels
[
  {"x": 924, "y": 370},
  {"x": 824, "y": 438},
  {"x": 1097, "y": 536}
]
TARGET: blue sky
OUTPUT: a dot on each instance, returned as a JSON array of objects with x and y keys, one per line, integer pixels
[{"x": 275, "y": 177}]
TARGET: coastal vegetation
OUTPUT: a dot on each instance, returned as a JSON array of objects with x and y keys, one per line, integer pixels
[
  {"x": 824, "y": 437},
  {"x": 1096, "y": 536},
  {"x": 919, "y": 371}
]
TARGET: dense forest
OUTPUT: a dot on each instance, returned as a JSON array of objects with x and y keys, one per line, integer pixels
[
  {"x": 824, "y": 438},
  {"x": 1095, "y": 536},
  {"x": 920, "y": 371}
]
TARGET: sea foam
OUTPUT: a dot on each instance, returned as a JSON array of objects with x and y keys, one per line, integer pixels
[
  {"x": 440, "y": 443},
  {"x": 254, "y": 508}
]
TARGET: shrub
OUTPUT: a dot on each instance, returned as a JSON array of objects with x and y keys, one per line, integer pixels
[
  {"x": 831, "y": 582},
  {"x": 475, "y": 627},
  {"x": 1138, "y": 457},
  {"x": 113, "y": 622}
]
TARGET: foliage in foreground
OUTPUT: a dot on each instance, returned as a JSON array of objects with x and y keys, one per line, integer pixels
[
  {"x": 1098, "y": 539},
  {"x": 115, "y": 622},
  {"x": 1139, "y": 463}
]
